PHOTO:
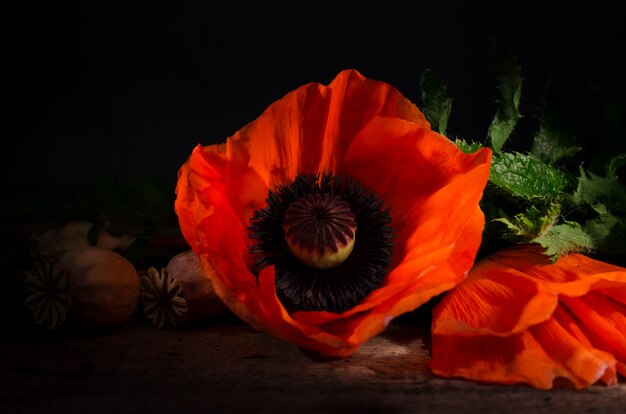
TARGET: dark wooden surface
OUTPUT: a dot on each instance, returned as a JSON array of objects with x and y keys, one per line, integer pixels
[{"x": 223, "y": 366}]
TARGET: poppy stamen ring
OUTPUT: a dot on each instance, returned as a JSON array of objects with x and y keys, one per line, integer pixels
[{"x": 308, "y": 233}]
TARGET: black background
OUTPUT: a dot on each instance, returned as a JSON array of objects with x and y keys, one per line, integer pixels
[{"x": 129, "y": 88}]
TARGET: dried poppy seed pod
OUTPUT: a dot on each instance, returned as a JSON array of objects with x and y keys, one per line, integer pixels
[
  {"x": 197, "y": 289},
  {"x": 93, "y": 287},
  {"x": 179, "y": 293}
]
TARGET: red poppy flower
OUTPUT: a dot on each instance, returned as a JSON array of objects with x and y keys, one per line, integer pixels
[
  {"x": 518, "y": 318},
  {"x": 333, "y": 212}
]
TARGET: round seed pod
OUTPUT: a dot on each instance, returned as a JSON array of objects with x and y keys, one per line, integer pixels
[
  {"x": 179, "y": 293},
  {"x": 197, "y": 289},
  {"x": 93, "y": 287}
]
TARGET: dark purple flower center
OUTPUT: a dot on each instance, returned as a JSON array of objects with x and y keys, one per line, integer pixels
[{"x": 308, "y": 232}]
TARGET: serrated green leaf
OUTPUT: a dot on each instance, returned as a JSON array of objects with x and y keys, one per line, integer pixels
[
  {"x": 554, "y": 140},
  {"x": 499, "y": 132},
  {"x": 467, "y": 147},
  {"x": 509, "y": 74},
  {"x": 527, "y": 177},
  {"x": 610, "y": 190},
  {"x": 565, "y": 238},
  {"x": 607, "y": 231},
  {"x": 546, "y": 149},
  {"x": 614, "y": 165},
  {"x": 609, "y": 114},
  {"x": 532, "y": 223},
  {"x": 436, "y": 103},
  {"x": 541, "y": 226}
]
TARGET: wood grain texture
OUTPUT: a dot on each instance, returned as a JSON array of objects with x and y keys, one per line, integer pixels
[{"x": 223, "y": 366}]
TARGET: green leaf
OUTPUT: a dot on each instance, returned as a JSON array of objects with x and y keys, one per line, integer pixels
[
  {"x": 509, "y": 74},
  {"x": 467, "y": 147},
  {"x": 614, "y": 165},
  {"x": 554, "y": 140},
  {"x": 527, "y": 177},
  {"x": 542, "y": 227},
  {"x": 436, "y": 103},
  {"x": 607, "y": 231},
  {"x": 525, "y": 227},
  {"x": 609, "y": 137},
  {"x": 610, "y": 190},
  {"x": 564, "y": 238}
]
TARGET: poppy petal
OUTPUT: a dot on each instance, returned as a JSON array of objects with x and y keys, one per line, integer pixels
[
  {"x": 563, "y": 337},
  {"x": 602, "y": 320},
  {"x": 306, "y": 132},
  {"x": 202, "y": 200},
  {"x": 338, "y": 128},
  {"x": 493, "y": 302},
  {"x": 227, "y": 267},
  {"x": 514, "y": 359},
  {"x": 616, "y": 293},
  {"x": 425, "y": 239},
  {"x": 424, "y": 165},
  {"x": 573, "y": 275},
  {"x": 430, "y": 175},
  {"x": 536, "y": 356},
  {"x": 519, "y": 318}
]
